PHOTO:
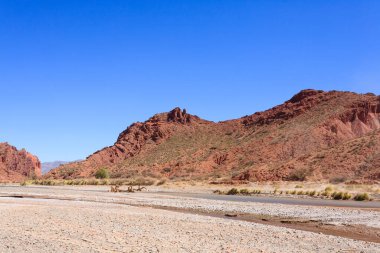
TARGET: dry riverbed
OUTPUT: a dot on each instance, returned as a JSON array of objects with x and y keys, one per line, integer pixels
[{"x": 90, "y": 219}]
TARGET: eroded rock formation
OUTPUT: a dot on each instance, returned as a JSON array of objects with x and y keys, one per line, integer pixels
[{"x": 17, "y": 165}]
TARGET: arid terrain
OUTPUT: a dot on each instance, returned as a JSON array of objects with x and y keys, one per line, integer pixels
[
  {"x": 17, "y": 165},
  {"x": 313, "y": 136},
  {"x": 91, "y": 219},
  {"x": 282, "y": 180}
]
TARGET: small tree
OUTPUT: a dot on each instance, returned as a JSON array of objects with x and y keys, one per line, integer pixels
[{"x": 102, "y": 173}]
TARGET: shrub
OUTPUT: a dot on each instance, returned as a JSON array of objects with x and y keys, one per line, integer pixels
[
  {"x": 233, "y": 191},
  {"x": 218, "y": 192},
  {"x": 337, "y": 180},
  {"x": 166, "y": 170},
  {"x": 326, "y": 193},
  {"x": 161, "y": 182},
  {"x": 298, "y": 175},
  {"x": 92, "y": 182},
  {"x": 102, "y": 173},
  {"x": 104, "y": 182},
  {"x": 346, "y": 196},
  {"x": 300, "y": 193},
  {"x": 328, "y": 189},
  {"x": 244, "y": 191},
  {"x": 68, "y": 182},
  {"x": 141, "y": 181},
  {"x": 298, "y": 186},
  {"x": 312, "y": 193},
  {"x": 337, "y": 195},
  {"x": 256, "y": 192},
  {"x": 361, "y": 197}
]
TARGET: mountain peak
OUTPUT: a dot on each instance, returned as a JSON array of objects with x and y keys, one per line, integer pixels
[
  {"x": 305, "y": 94},
  {"x": 178, "y": 115}
]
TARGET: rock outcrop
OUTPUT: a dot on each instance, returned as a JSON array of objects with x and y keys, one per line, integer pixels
[
  {"x": 314, "y": 135},
  {"x": 17, "y": 165}
]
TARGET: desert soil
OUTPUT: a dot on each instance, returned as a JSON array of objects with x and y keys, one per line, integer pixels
[{"x": 90, "y": 219}]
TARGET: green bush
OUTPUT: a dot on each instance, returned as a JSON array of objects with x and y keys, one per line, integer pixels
[
  {"x": 102, "y": 173},
  {"x": 337, "y": 195},
  {"x": 361, "y": 197},
  {"x": 233, "y": 191},
  {"x": 256, "y": 192},
  {"x": 298, "y": 175},
  {"x": 312, "y": 193},
  {"x": 244, "y": 191},
  {"x": 346, "y": 196},
  {"x": 326, "y": 193}
]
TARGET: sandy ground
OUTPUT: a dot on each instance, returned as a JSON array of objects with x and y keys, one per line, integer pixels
[{"x": 111, "y": 224}]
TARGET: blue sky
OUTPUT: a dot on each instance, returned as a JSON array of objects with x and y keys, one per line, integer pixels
[{"x": 74, "y": 74}]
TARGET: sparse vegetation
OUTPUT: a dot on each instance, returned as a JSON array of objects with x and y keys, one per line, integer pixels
[
  {"x": 337, "y": 195},
  {"x": 218, "y": 192},
  {"x": 256, "y": 192},
  {"x": 52, "y": 182},
  {"x": 298, "y": 175},
  {"x": 346, "y": 196},
  {"x": 23, "y": 183},
  {"x": 312, "y": 193},
  {"x": 337, "y": 180},
  {"x": 233, "y": 191},
  {"x": 362, "y": 197},
  {"x": 161, "y": 182},
  {"x": 102, "y": 173},
  {"x": 244, "y": 192}
]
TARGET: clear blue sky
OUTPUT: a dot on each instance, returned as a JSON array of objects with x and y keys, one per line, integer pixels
[{"x": 74, "y": 74}]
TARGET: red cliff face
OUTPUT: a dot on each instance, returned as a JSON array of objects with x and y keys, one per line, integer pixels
[{"x": 17, "y": 165}]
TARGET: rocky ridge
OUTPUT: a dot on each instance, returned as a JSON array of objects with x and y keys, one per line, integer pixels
[
  {"x": 314, "y": 135},
  {"x": 17, "y": 165}
]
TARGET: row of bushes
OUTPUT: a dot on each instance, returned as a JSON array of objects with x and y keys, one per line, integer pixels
[
  {"x": 131, "y": 182},
  {"x": 235, "y": 191},
  {"x": 326, "y": 193}
]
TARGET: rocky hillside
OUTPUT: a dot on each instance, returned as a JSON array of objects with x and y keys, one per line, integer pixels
[
  {"x": 48, "y": 166},
  {"x": 17, "y": 165},
  {"x": 315, "y": 135}
]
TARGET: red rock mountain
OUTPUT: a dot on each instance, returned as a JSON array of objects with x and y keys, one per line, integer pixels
[
  {"x": 17, "y": 165},
  {"x": 315, "y": 135}
]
